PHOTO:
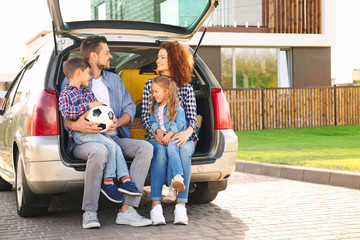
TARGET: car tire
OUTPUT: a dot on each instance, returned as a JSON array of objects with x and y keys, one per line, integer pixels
[
  {"x": 201, "y": 194},
  {"x": 28, "y": 204},
  {"x": 4, "y": 185}
]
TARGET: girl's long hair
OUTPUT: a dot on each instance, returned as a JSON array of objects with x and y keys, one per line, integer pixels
[
  {"x": 167, "y": 83},
  {"x": 180, "y": 62}
]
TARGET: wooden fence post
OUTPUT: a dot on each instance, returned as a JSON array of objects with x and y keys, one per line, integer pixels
[{"x": 335, "y": 104}]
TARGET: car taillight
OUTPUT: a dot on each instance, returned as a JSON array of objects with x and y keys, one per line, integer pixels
[
  {"x": 45, "y": 116},
  {"x": 221, "y": 109}
]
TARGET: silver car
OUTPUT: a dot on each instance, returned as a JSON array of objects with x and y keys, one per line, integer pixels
[{"x": 32, "y": 137}]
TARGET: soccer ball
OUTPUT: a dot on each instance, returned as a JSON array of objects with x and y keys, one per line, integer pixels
[{"x": 102, "y": 114}]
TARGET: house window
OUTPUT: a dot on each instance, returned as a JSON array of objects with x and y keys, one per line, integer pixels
[
  {"x": 232, "y": 13},
  {"x": 255, "y": 67}
]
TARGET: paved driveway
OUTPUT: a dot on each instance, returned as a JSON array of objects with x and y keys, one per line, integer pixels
[{"x": 253, "y": 207}]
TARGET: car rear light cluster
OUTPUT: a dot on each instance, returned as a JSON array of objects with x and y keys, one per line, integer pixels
[
  {"x": 45, "y": 116},
  {"x": 221, "y": 109}
]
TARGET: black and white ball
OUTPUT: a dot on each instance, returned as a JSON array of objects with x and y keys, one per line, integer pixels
[{"x": 103, "y": 115}]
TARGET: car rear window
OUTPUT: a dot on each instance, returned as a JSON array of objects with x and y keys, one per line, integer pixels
[{"x": 182, "y": 13}]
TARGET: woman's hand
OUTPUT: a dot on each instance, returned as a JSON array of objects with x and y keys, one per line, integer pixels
[{"x": 182, "y": 137}]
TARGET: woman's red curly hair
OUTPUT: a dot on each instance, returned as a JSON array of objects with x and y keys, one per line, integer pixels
[{"x": 180, "y": 62}]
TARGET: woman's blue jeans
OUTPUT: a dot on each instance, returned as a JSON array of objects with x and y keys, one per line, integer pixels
[
  {"x": 160, "y": 167},
  {"x": 116, "y": 164}
]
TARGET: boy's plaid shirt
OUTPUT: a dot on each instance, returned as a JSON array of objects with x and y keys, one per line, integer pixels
[{"x": 187, "y": 101}]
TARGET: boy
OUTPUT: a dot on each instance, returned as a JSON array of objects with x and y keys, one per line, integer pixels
[{"x": 75, "y": 100}]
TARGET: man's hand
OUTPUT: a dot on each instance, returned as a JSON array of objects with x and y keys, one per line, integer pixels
[
  {"x": 113, "y": 126},
  {"x": 82, "y": 125}
]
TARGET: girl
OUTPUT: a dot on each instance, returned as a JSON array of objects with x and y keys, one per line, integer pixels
[
  {"x": 173, "y": 60},
  {"x": 168, "y": 118}
]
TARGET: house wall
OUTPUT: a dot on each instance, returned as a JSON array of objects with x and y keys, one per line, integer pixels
[
  {"x": 212, "y": 57},
  {"x": 311, "y": 66}
]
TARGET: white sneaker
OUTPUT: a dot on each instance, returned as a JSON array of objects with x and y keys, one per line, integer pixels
[
  {"x": 90, "y": 220},
  {"x": 180, "y": 215},
  {"x": 157, "y": 216},
  {"x": 132, "y": 217},
  {"x": 178, "y": 183}
]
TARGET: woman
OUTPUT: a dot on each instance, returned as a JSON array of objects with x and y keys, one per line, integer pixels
[{"x": 175, "y": 61}]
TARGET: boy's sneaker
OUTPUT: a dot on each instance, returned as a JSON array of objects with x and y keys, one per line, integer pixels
[
  {"x": 180, "y": 215},
  {"x": 178, "y": 183},
  {"x": 132, "y": 218},
  {"x": 129, "y": 188},
  {"x": 157, "y": 216},
  {"x": 111, "y": 192},
  {"x": 171, "y": 196},
  {"x": 90, "y": 220}
]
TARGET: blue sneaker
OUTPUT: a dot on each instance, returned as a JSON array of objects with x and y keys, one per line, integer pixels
[
  {"x": 129, "y": 188},
  {"x": 111, "y": 192}
]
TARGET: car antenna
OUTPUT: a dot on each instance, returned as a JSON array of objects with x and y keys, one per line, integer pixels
[
  {"x": 54, "y": 35},
  {"x": 203, "y": 34}
]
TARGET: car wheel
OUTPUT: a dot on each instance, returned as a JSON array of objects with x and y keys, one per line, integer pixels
[
  {"x": 28, "y": 204},
  {"x": 201, "y": 194},
  {"x": 4, "y": 185}
]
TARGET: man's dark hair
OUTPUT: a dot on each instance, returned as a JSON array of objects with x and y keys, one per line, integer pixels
[
  {"x": 91, "y": 44},
  {"x": 72, "y": 64}
]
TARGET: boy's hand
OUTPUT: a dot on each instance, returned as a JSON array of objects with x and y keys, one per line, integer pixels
[
  {"x": 95, "y": 104},
  {"x": 82, "y": 125}
]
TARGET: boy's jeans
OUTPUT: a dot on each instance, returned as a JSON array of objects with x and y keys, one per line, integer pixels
[
  {"x": 159, "y": 169},
  {"x": 115, "y": 165}
]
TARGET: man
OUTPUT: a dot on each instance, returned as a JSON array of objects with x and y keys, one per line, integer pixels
[{"x": 109, "y": 88}]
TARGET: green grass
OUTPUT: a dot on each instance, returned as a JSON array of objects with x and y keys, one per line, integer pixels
[{"x": 335, "y": 147}]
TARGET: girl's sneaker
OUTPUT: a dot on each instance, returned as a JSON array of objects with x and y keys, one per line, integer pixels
[
  {"x": 178, "y": 183},
  {"x": 171, "y": 196}
]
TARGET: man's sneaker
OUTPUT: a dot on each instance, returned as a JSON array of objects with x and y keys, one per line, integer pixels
[
  {"x": 180, "y": 215},
  {"x": 111, "y": 192},
  {"x": 178, "y": 183},
  {"x": 129, "y": 188},
  {"x": 90, "y": 220},
  {"x": 157, "y": 216},
  {"x": 171, "y": 196},
  {"x": 132, "y": 218}
]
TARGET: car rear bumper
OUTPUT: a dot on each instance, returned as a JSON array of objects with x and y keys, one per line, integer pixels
[
  {"x": 225, "y": 162},
  {"x": 45, "y": 172}
]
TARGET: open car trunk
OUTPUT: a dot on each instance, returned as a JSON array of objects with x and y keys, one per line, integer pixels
[{"x": 135, "y": 64}]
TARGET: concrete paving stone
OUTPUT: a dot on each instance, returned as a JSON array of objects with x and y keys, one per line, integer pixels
[
  {"x": 292, "y": 173},
  {"x": 345, "y": 179},
  {"x": 271, "y": 170},
  {"x": 253, "y": 167},
  {"x": 316, "y": 176}
]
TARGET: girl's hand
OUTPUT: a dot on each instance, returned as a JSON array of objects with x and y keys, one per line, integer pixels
[
  {"x": 157, "y": 139},
  {"x": 166, "y": 139},
  {"x": 182, "y": 137}
]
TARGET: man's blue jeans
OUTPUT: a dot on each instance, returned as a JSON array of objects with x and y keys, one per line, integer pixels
[
  {"x": 116, "y": 164},
  {"x": 160, "y": 167}
]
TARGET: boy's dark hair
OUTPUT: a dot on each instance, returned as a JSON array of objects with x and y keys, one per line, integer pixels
[
  {"x": 91, "y": 44},
  {"x": 72, "y": 64}
]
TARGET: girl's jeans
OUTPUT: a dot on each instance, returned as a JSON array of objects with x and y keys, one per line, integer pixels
[
  {"x": 160, "y": 167},
  {"x": 115, "y": 165}
]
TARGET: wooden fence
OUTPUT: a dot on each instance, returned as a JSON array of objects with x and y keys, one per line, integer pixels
[
  {"x": 293, "y": 107},
  {"x": 295, "y": 16}
]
